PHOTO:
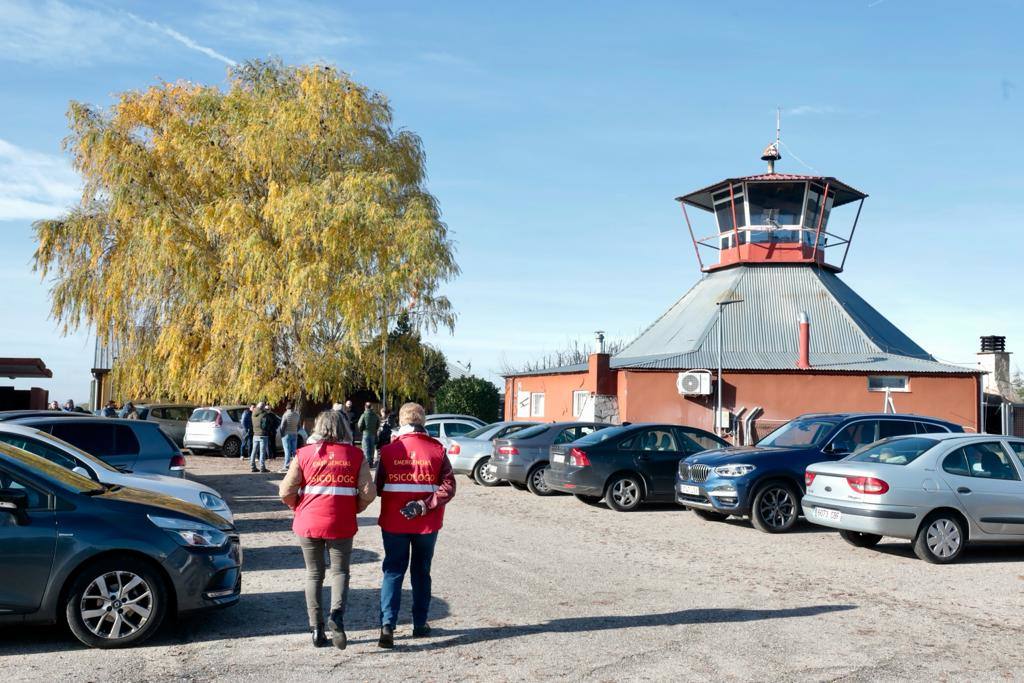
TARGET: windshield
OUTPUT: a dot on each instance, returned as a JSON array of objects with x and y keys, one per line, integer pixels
[
  {"x": 480, "y": 431},
  {"x": 601, "y": 435},
  {"x": 895, "y": 451},
  {"x": 798, "y": 434},
  {"x": 52, "y": 472},
  {"x": 531, "y": 432}
]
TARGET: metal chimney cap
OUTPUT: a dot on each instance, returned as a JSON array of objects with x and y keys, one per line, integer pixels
[
  {"x": 803, "y": 318},
  {"x": 771, "y": 153}
]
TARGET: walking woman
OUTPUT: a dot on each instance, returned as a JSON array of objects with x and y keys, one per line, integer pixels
[{"x": 327, "y": 485}]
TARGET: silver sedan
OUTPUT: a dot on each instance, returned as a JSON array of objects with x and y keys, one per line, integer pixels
[
  {"x": 939, "y": 491},
  {"x": 471, "y": 453}
]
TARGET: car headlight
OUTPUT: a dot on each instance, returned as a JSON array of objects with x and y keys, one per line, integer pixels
[
  {"x": 211, "y": 501},
  {"x": 189, "y": 533},
  {"x": 733, "y": 470}
]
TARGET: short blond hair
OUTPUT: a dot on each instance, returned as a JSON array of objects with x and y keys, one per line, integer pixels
[{"x": 411, "y": 414}]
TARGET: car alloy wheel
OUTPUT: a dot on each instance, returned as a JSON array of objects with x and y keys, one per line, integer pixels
[
  {"x": 775, "y": 509},
  {"x": 232, "y": 448},
  {"x": 483, "y": 475},
  {"x": 116, "y": 605},
  {"x": 624, "y": 494},
  {"x": 536, "y": 482}
]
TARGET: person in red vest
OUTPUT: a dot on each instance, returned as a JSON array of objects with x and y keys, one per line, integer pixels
[
  {"x": 414, "y": 481},
  {"x": 327, "y": 485}
]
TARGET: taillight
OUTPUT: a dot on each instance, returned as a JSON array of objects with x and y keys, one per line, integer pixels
[
  {"x": 578, "y": 458},
  {"x": 809, "y": 478},
  {"x": 218, "y": 420},
  {"x": 177, "y": 462},
  {"x": 454, "y": 449},
  {"x": 867, "y": 485},
  {"x": 508, "y": 450}
]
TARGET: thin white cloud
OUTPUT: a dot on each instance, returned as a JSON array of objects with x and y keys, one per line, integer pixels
[
  {"x": 53, "y": 32},
  {"x": 299, "y": 29},
  {"x": 183, "y": 39},
  {"x": 811, "y": 110},
  {"x": 34, "y": 185}
]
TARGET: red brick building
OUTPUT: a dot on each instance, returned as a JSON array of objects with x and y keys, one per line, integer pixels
[{"x": 776, "y": 264}]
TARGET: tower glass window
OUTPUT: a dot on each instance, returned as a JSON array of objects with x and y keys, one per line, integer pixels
[
  {"x": 776, "y": 204},
  {"x": 724, "y": 208}
]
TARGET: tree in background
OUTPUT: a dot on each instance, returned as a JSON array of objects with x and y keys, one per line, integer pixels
[
  {"x": 573, "y": 353},
  {"x": 469, "y": 396},
  {"x": 435, "y": 370},
  {"x": 245, "y": 243}
]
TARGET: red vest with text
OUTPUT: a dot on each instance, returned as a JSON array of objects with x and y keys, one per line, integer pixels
[
  {"x": 330, "y": 492},
  {"x": 412, "y": 471}
]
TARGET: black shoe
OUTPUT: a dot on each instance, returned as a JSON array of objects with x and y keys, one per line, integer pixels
[
  {"x": 254, "y": 470},
  {"x": 319, "y": 639},
  {"x": 421, "y": 631},
  {"x": 336, "y": 625},
  {"x": 387, "y": 637},
  {"x": 264, "y": 470}
]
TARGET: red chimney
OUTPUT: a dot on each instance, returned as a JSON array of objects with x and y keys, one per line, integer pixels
[{"x": 804, "y": 359}]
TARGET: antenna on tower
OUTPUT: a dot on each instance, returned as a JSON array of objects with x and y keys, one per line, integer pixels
[{"x": 771, "y": 152}]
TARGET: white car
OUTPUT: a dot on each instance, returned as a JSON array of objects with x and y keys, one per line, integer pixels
[
  {"x": 64, "y": 454},
  {"x": 219, "y": 428},
  {"x": 445, "y": 426}
]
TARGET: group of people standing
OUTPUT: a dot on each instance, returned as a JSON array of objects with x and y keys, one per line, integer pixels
[{"x": 329, "y": 482}]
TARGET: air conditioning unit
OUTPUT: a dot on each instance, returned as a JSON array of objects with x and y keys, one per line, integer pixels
[{"x": 694, "y": 383}]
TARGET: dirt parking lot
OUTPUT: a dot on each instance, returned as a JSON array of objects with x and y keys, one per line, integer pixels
[{"x": 532, "y": 588}]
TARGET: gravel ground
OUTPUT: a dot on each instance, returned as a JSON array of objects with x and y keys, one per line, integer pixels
[{"x": 540, "y": 588}]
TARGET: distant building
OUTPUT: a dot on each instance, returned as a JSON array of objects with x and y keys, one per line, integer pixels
[
  {"x": 794, "y": 337},
  {"x": 24, "y": 399}
]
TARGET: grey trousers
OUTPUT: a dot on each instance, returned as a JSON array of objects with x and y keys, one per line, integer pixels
[{"x": 340, "y": 552}]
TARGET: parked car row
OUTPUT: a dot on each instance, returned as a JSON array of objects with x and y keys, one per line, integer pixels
[
  {"x": 867, "y": 475},
  {"x": 99, "y": 529}
]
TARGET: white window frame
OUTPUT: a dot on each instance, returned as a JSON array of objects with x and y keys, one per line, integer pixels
[
  {"x": 537, "y": 404},
  {"x": 523, "y": 403},
  {"x": 882, "y": 390},
  {"x": 579, "y": 401}
]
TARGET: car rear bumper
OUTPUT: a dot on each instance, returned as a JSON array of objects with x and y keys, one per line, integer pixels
[
  {"x": 885, "y": 520},
  {"x": 464, "y": 463},
  {"x": 580, "y": 482},
  {"x": 203, "y": 445},
  {"x": 509, "y": 471}
]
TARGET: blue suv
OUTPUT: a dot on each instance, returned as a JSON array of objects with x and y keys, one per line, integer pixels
[{"x": 766, "y": 481}]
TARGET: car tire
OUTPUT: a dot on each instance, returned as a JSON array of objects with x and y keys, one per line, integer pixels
[
  {"x": 941, "y": 538},
  {"x": 710, "y": 516},
  {"x": 589, "y": 500},
  {"x": 139, "y": 605},
  {"x": 776, "y": 508},
  {"x": 517, "y": 486},
  {"x": 480, "y": 476},
  {"x": 625, "y": 492},
  {"x": 859, "y": 539},
  {"x": 232, "y": 447},
  {"x": 535, "y": 481}
]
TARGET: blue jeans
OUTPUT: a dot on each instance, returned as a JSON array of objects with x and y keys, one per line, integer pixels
[
  {"x": 289, "y": 442},
  {"x": 368, "y": 447},
  {"x": 396, "y": 561},
  {"x": 261, "y": 445},
  {"x": 246, "y": 445}
]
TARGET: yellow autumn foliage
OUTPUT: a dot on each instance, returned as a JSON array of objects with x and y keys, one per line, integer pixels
[{"x": 245, "y": 243}]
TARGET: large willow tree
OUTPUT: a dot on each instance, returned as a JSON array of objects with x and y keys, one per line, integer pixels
[{"x": 249, "y": 242}]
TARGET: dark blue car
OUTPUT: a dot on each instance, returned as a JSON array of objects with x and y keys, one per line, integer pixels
[{"x": 766, "y": 481}]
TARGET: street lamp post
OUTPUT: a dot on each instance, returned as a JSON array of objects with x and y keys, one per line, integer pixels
[{"x": 718, "y": 391}]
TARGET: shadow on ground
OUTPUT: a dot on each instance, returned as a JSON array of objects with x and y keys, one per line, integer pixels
[
  {"x": 972, "y": 554},
  {"x": 585, "y": 625},
  {"x": 255, "y": 616},
  {"x": 290, "y": 557}
]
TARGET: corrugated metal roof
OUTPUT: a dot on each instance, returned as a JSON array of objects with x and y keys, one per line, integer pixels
[
  {"x": 847, "y": 333},
  {"x": 559, "y": 370}
]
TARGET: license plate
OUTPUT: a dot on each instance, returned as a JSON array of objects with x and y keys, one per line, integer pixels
[
  {"x": 689, "y": 490},
  {"x": 828, "y": 515},
  {"x": 559, "y": 457}
]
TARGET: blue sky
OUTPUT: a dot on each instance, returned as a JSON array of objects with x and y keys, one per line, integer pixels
[{"x": 557, "y": 135}]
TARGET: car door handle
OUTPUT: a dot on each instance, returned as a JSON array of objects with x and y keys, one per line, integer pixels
[
  {"x": 643, "y": 457},
  {"x": 962, "y": 489}
]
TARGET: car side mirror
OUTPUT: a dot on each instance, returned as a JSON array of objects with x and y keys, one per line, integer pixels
[
  {"x": 14, "y": 502},
  {"x": 837, "y": 449}
]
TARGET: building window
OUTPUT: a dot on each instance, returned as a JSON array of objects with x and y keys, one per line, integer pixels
[
  {"x": 537, "y": 404},
  {"x": 776, "y": 204},
  {"x": 890, "y": 382},
  {"x": 579, "y": 402},
  {"x": 523, "y": 404},
  {"x": 723, "y": 202}
]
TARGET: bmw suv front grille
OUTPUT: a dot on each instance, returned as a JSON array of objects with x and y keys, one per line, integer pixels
[{"x": 697, "y": 473}]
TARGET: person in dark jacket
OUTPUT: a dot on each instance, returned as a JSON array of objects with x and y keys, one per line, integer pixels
[{"x": 246, "y": 432}]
